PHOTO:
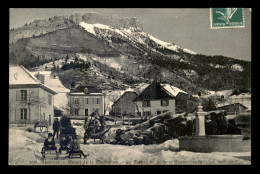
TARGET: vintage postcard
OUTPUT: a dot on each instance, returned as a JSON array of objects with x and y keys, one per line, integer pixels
[{"x": 129, "y": 86}]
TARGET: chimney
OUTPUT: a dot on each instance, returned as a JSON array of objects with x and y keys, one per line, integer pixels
[{"x": 40, "y": 77}]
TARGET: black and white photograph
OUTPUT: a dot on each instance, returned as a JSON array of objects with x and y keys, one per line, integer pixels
[{"x": 129, "y": 86}]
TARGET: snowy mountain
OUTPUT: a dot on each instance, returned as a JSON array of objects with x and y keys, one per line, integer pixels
[{"x": 121, "y": 54}]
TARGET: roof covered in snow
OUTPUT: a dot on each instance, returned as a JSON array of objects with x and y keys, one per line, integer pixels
[
  {"x": 129, "y": 90},
  {"x": 20, "y": 76},
  {"x": 156, "y": 91},
  {"x": 172, "y": 90},
  {"x": 228, "y": 104}
]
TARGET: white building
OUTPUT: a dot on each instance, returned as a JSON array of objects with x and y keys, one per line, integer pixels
[
  {"x": 85, "y": 100},
  {"x": 29, "y": 99}
]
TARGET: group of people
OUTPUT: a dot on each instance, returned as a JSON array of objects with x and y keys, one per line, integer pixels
[{"x": 69, "y": 143}]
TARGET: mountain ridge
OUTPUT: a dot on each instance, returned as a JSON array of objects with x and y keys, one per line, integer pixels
[{"x": 128, "y": 46}]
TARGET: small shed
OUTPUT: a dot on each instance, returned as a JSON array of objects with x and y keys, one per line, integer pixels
[{"x": 58, "y": 112}]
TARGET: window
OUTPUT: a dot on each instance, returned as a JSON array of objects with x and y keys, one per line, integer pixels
[
  {"x": 147, "y": 113},
  {"x": 23, "y": 95},
  {"x": 139, "y": 113},
  {"x": 165, "y": 102},
  {"x": 49, "y": 99},
  {"x": 76, "y": 101},
  {"x": 158, "y": 112},
  {"x": 147, "y": 103},
  {"x": 96, "y": 100},
  {"x": 23, "y": 114},
  {"x": 86, "y": 101},
  {"x": 76, "y": 112}
]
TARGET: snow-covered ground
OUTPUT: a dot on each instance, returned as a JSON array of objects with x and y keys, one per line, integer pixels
[{"x": 24, "y": 145}]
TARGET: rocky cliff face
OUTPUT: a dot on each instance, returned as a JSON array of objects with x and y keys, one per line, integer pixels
[
  {"x": 40, "y": 27},
  {"x": 113, "y": 21}
]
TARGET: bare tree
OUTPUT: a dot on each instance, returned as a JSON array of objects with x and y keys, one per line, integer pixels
[
  {"x": 35, "y": 99},
  {"x": 71, "y": 106}
]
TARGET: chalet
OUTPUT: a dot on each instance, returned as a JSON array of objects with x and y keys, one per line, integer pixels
[
  {"x": 158, "y": 98},
  {"x": 124, "y": 105},
  {"x": 29, "y": 99},
  {"x": 85, "y": 100},
  {"x": 232, "y": 108}
]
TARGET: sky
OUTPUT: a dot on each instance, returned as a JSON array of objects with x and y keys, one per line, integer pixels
[{"x": 187, "y": 28}]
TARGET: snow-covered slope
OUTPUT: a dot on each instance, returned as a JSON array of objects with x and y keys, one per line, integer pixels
[{"x": 132, "y": 34}]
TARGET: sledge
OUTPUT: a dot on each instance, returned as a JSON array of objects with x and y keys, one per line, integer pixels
[
  {"x": 99, "y": 135},
  {"x": 63, "y": 154},
  {"x": 75, "y": 155},
  {"x": 50, "y": 154}
]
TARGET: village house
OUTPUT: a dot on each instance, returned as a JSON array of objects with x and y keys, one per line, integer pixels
[
  {"x": 124, "y": 105},
  {"x": 85, "y": 100},
  {"x": 29, "y": 99},
  {"x": 158, "y": 98},
  {"x": 232, "y": 108}
]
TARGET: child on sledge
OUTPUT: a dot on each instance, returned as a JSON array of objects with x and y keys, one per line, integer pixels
[
  {"x": 49, "y": 144},
  {"x": 75, "y": 147},
  {"x": 64, "y": 142}
]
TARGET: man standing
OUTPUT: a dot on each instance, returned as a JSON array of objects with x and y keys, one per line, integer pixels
[{"x": 56, "y": 127}]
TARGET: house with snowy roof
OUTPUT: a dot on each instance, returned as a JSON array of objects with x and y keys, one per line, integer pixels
[
  {"x": 232, "y": 108},
  {"x": 85, "y": 100},
  {"x": 158, "y": 98},
  {"x": 124, "y": 105},
  {"x": 29, "y": 99}
]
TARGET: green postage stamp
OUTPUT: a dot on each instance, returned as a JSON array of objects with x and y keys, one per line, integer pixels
[{"x": 227, "y": 18}]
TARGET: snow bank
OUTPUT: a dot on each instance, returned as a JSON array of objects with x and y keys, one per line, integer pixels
[{"x": 23, "y": 145}]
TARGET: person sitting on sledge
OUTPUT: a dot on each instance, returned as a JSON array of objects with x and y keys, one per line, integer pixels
[
  {"x": 64, "y": 144},
  {"x": 75, "y": 147},
  {"x": 49, "y": 144}
]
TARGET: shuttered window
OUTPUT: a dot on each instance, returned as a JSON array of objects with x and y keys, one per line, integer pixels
[
  {"x": 23, "y": 94},
  {"x": 146, "y": 103},
  {"x": 96, "y": 101},
  {"x": 86, "y": 101},
  {"x": 23, "y": 114},
  {"x": 76, "y": 112},
  {"x": 147, "y": 113},
  {"x": 76, "y": 101},
  {"x": 49, "y": 99}
]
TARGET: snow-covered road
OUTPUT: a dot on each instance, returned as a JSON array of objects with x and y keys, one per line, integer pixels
[{"x": 23, "y": 145}]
